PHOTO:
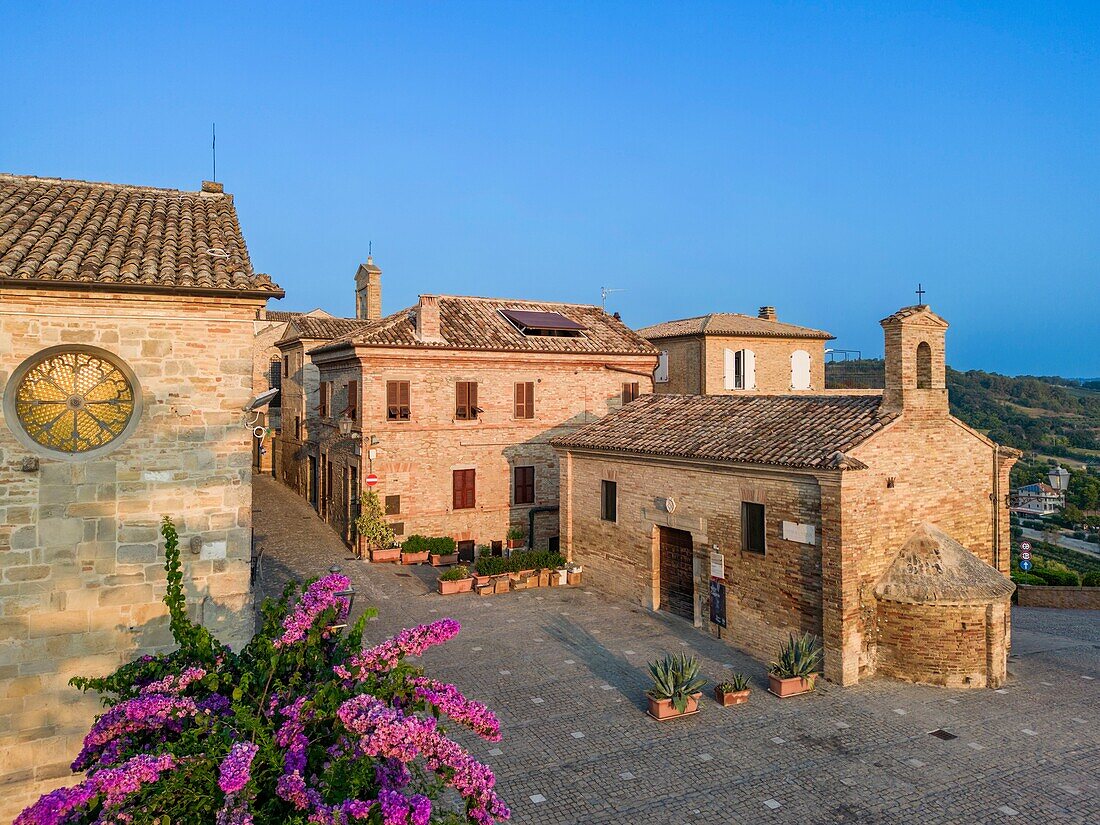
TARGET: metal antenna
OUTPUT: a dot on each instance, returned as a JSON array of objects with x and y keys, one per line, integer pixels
[
  {"x": 604, "y": 292},
  {"x": 214, "y": 148}
]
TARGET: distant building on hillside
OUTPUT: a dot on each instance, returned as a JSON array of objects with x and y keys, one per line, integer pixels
[
  {"x": 725, "y": 353},
  {"x": 1041, "y": 499}
]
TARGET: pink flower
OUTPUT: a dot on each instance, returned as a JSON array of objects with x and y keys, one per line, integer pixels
[
  {"x": 319, "y": 597},
  {"x": 450, "y": 701},
  {"x": 175, "y": 683},
  {"x": 154, "y": 711},
  {"x": 411, "y": 642},
  {"x": 236, "y": 769}
]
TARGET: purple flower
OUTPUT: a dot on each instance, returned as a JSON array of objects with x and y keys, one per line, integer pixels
[
  {"x": 236, "y": 769},
  {"x": 155, "y": 711},
  {"x": 175, "y": 683},
  {"x": 450, "y": 701},
  {"x": 319, "y": 597}
]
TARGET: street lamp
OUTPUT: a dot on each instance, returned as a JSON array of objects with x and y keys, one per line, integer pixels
[
  {"x": 345, "y": 425},
  {"x": 349, "y": 593}
]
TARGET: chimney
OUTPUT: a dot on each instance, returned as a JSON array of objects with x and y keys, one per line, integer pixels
[
  {"x": 213, "y": 187},
  {"x": 368, "y": 291},
  {"x": 427, "y": 320},
  {"x": 767, "y": 313}
]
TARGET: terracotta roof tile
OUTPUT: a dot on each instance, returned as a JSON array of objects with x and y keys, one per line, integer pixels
[
  {"x": 114, "y": 236},
  {"x": 477, "y": 324},
  {"x": 786, "y": 430},
  {"x": 320, "y": 328},
  {"x": 730, "y": 323}
]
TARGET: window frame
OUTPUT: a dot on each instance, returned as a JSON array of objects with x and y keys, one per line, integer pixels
[
  {"x": 526, "y": 485},
  {"x": 746, "y": 539},
  {"x": 466, "y": 408},
  {"x": 609, "y": 505},
  {"x": 523, "y": 400},
  {"x": 467, "y": 489},
  {"x": 630, "y": 392},
  {"x": 391, "y": 505},
  {"x": 324, "y": 399},
  {"x": 405, "y": 408},
  {"x": 352, "y": 408}
]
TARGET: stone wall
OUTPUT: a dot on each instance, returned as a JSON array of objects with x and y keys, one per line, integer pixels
[
  {"x": 1065, "y": 598},
  {"x": 768, "y": 595},
  {"x": 80, "y": 556},
  {"x": 773, "y": 363},
  {"x": 415, "y": 459},
  {"x": 962, "y": 646},
  {"x": 264, "y": 354}
]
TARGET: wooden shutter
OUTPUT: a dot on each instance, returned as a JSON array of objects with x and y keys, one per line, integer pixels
[
  {"x": 800, "y": 370},
  {"x": 465, "y": 400},
  {"x": 463, "y": 489},
  {"x": 525, "y": 399},
  {"x": 609, "y": 504},
  {"x": 397, "y": 400},
  {"x": 750, "y": 369},
  {"x": 353, "y": 400},
  {"x": 660, "y": 375},
  {"x": 322, "y": 405},
  {"x": 524, "y": 485},
  {"x": 630, "y": 392},
  {"x": 731, "y": 375}
]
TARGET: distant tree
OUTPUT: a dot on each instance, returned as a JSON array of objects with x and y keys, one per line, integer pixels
[{"x": 371, "y": 525}]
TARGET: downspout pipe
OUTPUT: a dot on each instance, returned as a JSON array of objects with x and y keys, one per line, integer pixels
[{"x": 997, "y": 506}]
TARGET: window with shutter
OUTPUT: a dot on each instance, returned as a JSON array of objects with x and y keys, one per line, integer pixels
[
  {"x": 660, "y": 375},
  {"x": 275, "y": 381},
  {"x": 524, "y": 484},
  {"x": 800, "y": 370},
  {"x": 324, "y": 391},
  {"x": 525, "y": 400},
  {"x": 740, "y": 369},
  {"x": 466, "y": 400},
  {"x": 353, "y": 400},
  {"x": 630, "y": 392},
  {"x": 463, "y": 489},
  {"x": 397, "y": 401},
  {"x": 752, "y": 527},
  {"x": 286, "y": 366}
]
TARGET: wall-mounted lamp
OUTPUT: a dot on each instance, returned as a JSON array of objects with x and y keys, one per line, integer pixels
[{"x": 345, "y": 425}]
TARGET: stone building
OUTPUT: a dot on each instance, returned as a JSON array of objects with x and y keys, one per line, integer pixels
[
  {"x": 452, "y": 403},
  {"x": 298, "y": 464},
  {"x": 267, "y": 374},
  {"x": 874, "y": 520},
  {"x": 126, "y": 325},
  {"x": 724, "y": 352}
]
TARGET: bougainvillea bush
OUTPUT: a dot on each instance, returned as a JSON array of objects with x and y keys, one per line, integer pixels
[{"x": 302, "y": 726}]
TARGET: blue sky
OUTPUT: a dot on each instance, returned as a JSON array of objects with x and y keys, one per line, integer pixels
[{"x": 821, "y": 157}]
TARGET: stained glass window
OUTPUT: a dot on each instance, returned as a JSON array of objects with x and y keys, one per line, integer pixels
[{"x": 74, "y": 401}]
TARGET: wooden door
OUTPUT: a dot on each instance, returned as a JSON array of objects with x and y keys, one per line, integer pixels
[{"x": 677, "y": 573}]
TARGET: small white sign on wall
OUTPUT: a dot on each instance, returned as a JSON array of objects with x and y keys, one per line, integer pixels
[
  {"x": 213, "y": 550},
  {"x": 717, "y": 565},
  {"x": 802, "y": 533}
]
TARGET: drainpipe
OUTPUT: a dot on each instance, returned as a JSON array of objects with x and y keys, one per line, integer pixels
[
  {"x": 996, "y": 507},
  {"x": 549, "y": 508}
]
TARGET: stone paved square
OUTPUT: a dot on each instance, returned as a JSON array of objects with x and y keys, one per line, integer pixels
[{"x": 629, "y": 769}]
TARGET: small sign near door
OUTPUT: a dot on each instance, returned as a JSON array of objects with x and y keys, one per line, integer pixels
[
  {"x": 717, "y": 602},
  {"x": 717, "y": 565}
]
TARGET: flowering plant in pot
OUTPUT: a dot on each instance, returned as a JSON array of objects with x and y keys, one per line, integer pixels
[
  {"x": 456, "y": 580},
  {"x": 795, "y": 671},
  {"x": 516, "y": 537},
  {"x": 677, "y": 687},
  {"x": 304, "y": 725},
  {"x": 733, "y": 691},
  {"x": 373, "y": 531}
]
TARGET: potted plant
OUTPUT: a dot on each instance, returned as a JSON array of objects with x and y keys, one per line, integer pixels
[
  {"x": 442, "y": 551},
  {"x": 733, "y": 691},
  {"x": 795, "y": 670},
  {"x": 456, "y": 580},
  {"x": 414, "y": 550},
  {"x": 486, "y": 568},
  {"x": 677, "y": 687},
  {"x": 516, "y": 537},
  {"x": 573, "y": 574},
  {"x": 373, "y": 531}
]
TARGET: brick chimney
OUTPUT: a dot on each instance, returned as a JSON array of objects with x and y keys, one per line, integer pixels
[
  {"x": 368, "y": 291},
  {"x": 212, "y": 187},
  {"x": 427, "y": 320},
  {"x": 767, "y": 313}
]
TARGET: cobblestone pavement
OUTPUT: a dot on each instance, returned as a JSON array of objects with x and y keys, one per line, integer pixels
[{"x": 565, "y": 669}]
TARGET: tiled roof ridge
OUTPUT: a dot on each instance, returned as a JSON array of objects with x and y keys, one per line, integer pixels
[
  {"x": 101, "y": 184},
  {"x": 711, "y": 324},
  {"x": 489, "y": 299}
]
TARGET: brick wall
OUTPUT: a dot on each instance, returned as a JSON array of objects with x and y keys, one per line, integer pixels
[
  {"x": 767, "y": 595},
  {"x": 685, "y": 360},
  {"x": 415, "y": 459},
  {"x": 697, "y": 365},
  {"x": 1066, "y": 598},
  {"x": 80, "y": 555}
]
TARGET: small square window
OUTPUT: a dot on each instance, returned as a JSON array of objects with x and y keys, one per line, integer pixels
[
  {"x": 393, "y": 505},
  {"x": 398, "y": 528}
]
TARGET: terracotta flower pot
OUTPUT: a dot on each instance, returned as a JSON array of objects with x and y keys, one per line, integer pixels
[
  {"x": 544, "y": 578},
  {"x": 789, "y": 687},
  {"x": 449, "y": 588},
  {"x": 482, "y": 580},
  {"x": 573, "y": 578},
  {"x": 438, "y": 560},
  {"x": 734, "y": 697},
  {"x": 661, "y": 709},
  {"x": 414, "y": 558},
  {"x": 388, "y": 554},
  {"x": 514, "y": 544}
]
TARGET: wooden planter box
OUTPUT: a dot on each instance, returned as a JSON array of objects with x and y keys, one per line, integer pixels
[
  {"x": 485, "y": 589},
  {"x": 735, "y": 697},
  {"x": 662, "y": 709},
  {"x": 414, "y": 558},
  {"x": 573, "y": 578},
  {"x": 515, "y": 544},
  {"x": 449, "y": 588},
  {"x": 789, "y": 687},
  {"x": 389, "y": 554},
  {"x": 544, "y": 578},
  {"x": 501, "y": 584},
  {"x": 442, "y": 561},
  {"x": 557, "y": 578}
]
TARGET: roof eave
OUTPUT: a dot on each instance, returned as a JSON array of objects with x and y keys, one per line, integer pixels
[{"x": 147, "y": 289}]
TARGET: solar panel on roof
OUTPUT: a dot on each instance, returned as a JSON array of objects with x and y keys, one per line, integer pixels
[{"x": 532, "y": 319}]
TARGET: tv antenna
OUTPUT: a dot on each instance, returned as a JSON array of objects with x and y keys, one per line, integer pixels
[
  {"x": 214, "y": 150},
  {"x": 604, "y": 292}
]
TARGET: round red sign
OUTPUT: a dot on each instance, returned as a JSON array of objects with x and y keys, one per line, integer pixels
[
  {"x": 1025, "y": 545},
  {"x": 370, "y": 480}
]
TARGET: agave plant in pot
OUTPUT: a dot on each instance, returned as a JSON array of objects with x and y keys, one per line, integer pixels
[
  {"x": 733, "y": 691},
  {"x": 677, "y": 687},
  {"x": 795, "y": 671}
]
